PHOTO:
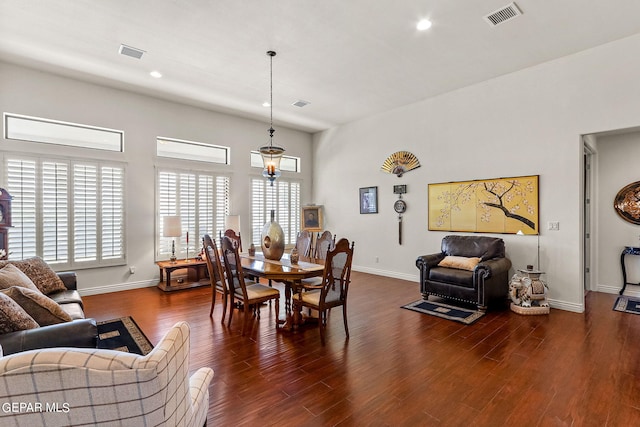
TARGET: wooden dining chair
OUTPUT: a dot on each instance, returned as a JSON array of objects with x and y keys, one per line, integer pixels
[
  {"x": 216, "y": 274},
  {"x": 324, "y": 242},
  {"x": 303, "y": 243},
  {"x": 233, "y": 236},
  {"x": 250, "y": 294},
  {"x": 333, "y": 290}
]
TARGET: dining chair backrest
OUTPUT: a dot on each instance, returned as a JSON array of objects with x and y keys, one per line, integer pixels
[
  {"x": 214, "y": 266},
  {"x": 233, "y": 236},
  {"x": 324, "y": 243},
  {"x": 233, "y": 266},
  {"x": 337, "y": 273},
  {"x": 303, "y": 243}
]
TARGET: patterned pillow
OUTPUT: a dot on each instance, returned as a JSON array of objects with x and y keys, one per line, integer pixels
[
  {"x": 40, "y": 274},
  {"x": 10, "y": 275},
  {"x": 13, "y": 317},
  {"x": 40, "y": 307}
]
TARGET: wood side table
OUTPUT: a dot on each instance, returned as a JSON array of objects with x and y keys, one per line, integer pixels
[{"x": 196, "y": 274}]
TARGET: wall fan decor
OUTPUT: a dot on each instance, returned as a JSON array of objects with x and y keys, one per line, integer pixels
[
  {"x": 627, "y": 203},
  {"x": 400, "y": 162}
]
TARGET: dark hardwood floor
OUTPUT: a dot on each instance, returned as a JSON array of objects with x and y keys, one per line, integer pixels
[{"x": 402, "y": 368}]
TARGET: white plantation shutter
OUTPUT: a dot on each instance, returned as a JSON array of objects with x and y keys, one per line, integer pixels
[
  {"x": 21, "y": 184},
  {"x": 206, "y": 209},
  {"x": 187, "y": 212},
  {"x": 69, "y": 212},
  {"x": 112, "y": 212},
  {"x": 284, "y": 198},
  {"x": 167, "y": 206},
  {"x": 55, "y": 212},
  {"x": 222, "y": 204},
  {"x": 294, "y": 210},
  {"x": 85, "y": 212},
  {"x": 202, "y": 202}
]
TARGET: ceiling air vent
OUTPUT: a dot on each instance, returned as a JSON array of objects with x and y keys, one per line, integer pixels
[
  {"x": 300, "y": 103},
  {"x": 503, "y": 14},
  {"x": 130, "y": 51}
]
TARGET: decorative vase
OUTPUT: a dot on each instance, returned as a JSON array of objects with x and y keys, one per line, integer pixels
[
  {"x": 272, "y": 239},
  {"x": 294, "y": 256},
  {"x": 252, "y": 250}
]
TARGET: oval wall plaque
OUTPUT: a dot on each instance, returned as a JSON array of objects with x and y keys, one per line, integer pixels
[{"x": 627, "y": 203}]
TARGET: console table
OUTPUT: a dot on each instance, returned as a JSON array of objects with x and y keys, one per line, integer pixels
[
  {"x": 196, "y": 274},
  {"x": 628, "y": 250}
]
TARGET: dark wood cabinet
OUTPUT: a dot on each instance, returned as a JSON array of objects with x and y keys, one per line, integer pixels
[{"x": 5, "y": 222}]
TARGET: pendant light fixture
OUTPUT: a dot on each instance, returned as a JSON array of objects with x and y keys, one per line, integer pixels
[{"x": 271, "y": 154}]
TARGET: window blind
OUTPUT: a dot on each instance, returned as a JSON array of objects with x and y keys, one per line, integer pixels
[
  {"x": 69, "y": 212},
  {"x": 202, "y": 202},
  {"x": 284, "y": 198}
]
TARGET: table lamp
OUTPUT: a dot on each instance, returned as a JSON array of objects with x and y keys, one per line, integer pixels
[
  {"x": 232, "y": 222},
  {"x": 172, "y": 227}
]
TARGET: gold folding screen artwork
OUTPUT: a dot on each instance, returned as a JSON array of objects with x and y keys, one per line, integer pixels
[{"x": 500, "y": 205}]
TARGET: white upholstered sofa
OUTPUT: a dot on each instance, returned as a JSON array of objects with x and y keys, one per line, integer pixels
[{"x": 75, "y": 386}]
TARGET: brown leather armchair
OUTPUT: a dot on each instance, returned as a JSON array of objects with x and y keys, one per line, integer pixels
[{"x": 483, "y": 284}]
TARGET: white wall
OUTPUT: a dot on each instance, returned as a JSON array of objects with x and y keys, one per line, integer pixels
[
  {"x": 142, "y": 118},
  {"x": 617, "y": 158},
  {"x": 524, "y": 123}
]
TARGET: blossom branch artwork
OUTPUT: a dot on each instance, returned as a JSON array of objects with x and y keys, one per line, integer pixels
[{"x": 500, "y": 205}]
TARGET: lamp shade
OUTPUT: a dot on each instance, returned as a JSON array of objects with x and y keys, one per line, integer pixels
[
  {"x": 171, "y": 226},
  {"x": 232, "y": 222}
]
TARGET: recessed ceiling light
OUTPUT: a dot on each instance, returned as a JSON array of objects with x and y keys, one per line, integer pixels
[
  {"x": 423, "y": 24},
  {"x": 155, "y": 74},
  {"x": 266, "y": 104}
]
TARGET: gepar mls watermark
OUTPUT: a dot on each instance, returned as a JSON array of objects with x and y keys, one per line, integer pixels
[{"x": 26, "y": 407}]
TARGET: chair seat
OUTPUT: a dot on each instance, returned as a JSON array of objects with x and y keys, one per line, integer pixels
[
  {"x": 313, "y": 298},
  {"x": 257, "y": 291},
  {"x": 313, "y": 281}
]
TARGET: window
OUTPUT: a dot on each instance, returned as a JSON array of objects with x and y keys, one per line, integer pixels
[
  {"x": 189, "y": 150},
  {"x": 202, "y": 202},
  {"x": 284, "y": 198},
  {"x": 69, "y": 212},
  {"x": 47, "y": 131},
  {"x": 288, "y": 163}
]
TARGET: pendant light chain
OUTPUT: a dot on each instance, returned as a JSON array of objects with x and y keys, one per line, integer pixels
[{"x": 271, "y": 129}]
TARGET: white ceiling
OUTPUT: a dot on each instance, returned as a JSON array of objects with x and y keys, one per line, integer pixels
[{"x": 350, "y": 59}]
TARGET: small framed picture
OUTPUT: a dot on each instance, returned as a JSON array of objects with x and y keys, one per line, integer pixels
[
  {"x": 369, "y": 200},
  {"x": 312, "y": 218}
]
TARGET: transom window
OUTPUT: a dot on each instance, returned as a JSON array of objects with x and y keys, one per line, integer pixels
[
  {"x": 36, "y": 129},
  {"x": 190, "y": 150}
]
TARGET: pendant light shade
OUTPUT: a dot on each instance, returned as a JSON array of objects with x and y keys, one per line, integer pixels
[{"x": 271, "y": 153}]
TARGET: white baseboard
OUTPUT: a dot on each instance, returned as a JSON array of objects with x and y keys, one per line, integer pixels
[
  {"x": 118, "y": 287},
  {"x": 561, "y": 305},
  {"x": 387, "y": 273},
  {"x": 629, "y": 291},
  {"x": 567, "y": 306}
]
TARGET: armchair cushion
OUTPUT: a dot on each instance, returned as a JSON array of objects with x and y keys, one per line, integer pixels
[
  {"x": 105, "y": 387},
  {"x": 459, "y": 262}
]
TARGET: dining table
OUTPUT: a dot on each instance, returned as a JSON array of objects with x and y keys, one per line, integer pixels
[{"x": 284, "y": 271}]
